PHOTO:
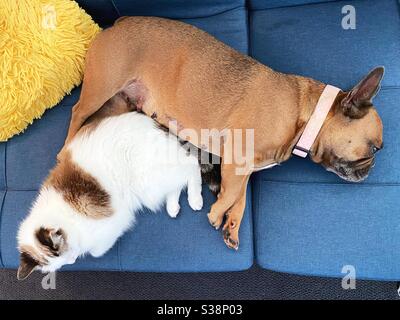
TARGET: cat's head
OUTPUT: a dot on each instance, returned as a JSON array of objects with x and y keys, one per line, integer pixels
[{"x": 44, "y": 241}]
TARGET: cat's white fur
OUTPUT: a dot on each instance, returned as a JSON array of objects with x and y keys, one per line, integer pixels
[{"x": 137, "y": 164}]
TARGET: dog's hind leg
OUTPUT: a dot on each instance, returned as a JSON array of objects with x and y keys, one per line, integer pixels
[
  {"x": 234, "y": 219},
  {"x": 231, "y": 189},
  {"x": 234, "y": 178},
  {"x": 102, "y": 80},
  {"x": 93, "y": 96}
]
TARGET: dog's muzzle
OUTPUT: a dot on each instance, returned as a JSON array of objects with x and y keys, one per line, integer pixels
[{"x": 353, "y": 171}]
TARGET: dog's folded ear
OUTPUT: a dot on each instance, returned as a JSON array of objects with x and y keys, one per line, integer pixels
[
  {"x": 356, "y": 103},
  {"x": 26, "y": 266}
]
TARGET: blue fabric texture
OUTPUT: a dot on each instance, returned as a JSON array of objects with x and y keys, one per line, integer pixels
[
  {"x": 306, "y": 220},
  {"x": 105, "y": 12},
  {"x": 271, "y": 4},
  {"x": 321, "y": 48},
  {"x": 2, "y": 197},
  {"x": 2, "y": 166},
  {"x": 185, "y": 244},
  {"x": 317, "y": 228},
  {"x": 177, "y": 9}
]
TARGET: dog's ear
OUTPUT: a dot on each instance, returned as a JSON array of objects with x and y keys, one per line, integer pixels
[
  {"x": 26, "y": 266},
  {"x": 51, "y": 238},
  {"x": 356, "y": 103}
]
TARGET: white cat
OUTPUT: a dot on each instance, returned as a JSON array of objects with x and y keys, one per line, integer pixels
[{"x": 113, "y": 167}]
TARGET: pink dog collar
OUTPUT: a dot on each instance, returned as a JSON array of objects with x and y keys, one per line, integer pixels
[{"x": 316, "y": 121}]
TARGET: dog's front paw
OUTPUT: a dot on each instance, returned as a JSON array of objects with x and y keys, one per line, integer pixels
[
  {"x": 215, "y": 219},
  {"x": 196, "y": 202},
  {"x": 173, "y": 209}
]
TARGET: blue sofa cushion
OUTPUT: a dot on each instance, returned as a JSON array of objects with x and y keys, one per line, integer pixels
[
  {"x": 269, "y": 4},
  {"x": 318, "y": 228},
  {"x": 177, "y": 9},
  {"x": 2, "y": 166},
  {"x": 308, "y": 220},
  {"x": 309, "y": 40},
  {"x": 157, "y": 243},
  {"x": 105, "y": 12},
  {"x": 31, "y": 155}
]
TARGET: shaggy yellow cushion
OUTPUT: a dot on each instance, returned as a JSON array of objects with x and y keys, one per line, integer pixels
[{"x": 42, "y": 48}]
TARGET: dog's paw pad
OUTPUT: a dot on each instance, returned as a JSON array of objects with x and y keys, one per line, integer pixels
[
  {"x": 230, "y": 240},
  {"x": 215, "y": 223}
]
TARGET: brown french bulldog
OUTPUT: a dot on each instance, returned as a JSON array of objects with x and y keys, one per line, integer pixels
[{"x": 178, "y": 74}]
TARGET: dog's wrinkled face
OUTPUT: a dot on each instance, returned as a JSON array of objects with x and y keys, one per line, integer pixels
[{"x": 351, "y": 137}]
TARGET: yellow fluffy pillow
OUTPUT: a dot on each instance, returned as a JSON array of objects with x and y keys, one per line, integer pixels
[{"x": 42, "y": 48}]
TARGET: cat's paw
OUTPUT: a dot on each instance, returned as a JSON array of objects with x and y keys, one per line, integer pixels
[
  {"x": 196, "y": 202},
  {"x": 173, "y": 209}
]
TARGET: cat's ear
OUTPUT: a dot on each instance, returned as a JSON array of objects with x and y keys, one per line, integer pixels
[
  {"x": 53, "y": 239},
  {"x": 26, "y": 266}
]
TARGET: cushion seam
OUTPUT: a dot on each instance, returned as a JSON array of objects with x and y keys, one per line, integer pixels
[
  {"x": 194, "y": 17},
  {"x": 390, "y": 87},
  {"x": 256, "y": 231},
  {"x": 214, "y": 14},
  {"x": 5, "y": 166},
  {"x": 297, "y": 5},
  {"x": 1, "y": 216},
  {"x": 398, "y": 7},
  {"x": 274, "y": 268},
  {"x": 249, "y": 53},
  {"x": 115, "y": 8},
  {"x": 331, "y": 183},
  {"x": 22, "y": 190},
  {"x": 119, "y": 254},
  {"x": 3, "y": 200},
  {"x": 250, "y": 207}
]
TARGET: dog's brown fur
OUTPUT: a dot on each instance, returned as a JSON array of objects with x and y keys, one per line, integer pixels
[{"x": 174, "y": 71}]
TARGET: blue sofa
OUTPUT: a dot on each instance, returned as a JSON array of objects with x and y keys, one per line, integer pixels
[{"x": 299, "y": 218}]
